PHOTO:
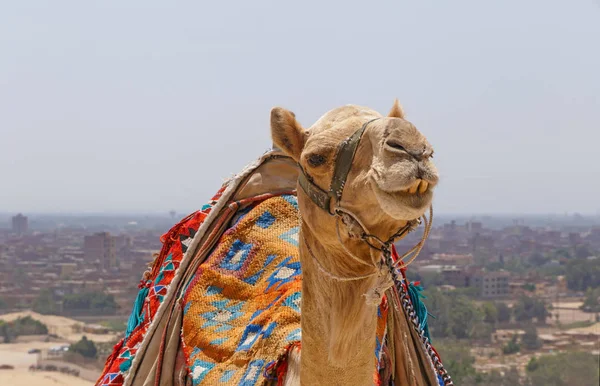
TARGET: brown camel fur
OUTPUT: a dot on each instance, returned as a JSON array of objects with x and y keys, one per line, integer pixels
[{"x": 391, "y": 182}]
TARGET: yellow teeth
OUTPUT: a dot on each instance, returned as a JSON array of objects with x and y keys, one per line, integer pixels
[
  {"x": 420, "y": 186},
  {"x": 414, "y": 187},
  {"x": 423, "y": 187}
]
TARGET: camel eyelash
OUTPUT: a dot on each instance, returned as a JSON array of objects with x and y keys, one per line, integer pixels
[{"x": 315, "y": 160}]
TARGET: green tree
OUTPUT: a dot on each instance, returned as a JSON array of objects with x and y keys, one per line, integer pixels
[
  {"x": 540, "y": 312},
  {"x": 490, "y": 313},
  {"x": 562, "y": 253},
  {"x": 438, "y": 305},
  {"x": 528, "y": 308},
  {"x": 9, "y": 331},
  {"x": 530, "y": 339},
  {"x": 28, "y": 326},
  {"x": 564, "y": 369},
  {"x": 523, "y": 309},
  {"x": 583, "y": 274},
  {"x": 592, "y": 300},
  {"x": 537, "y": 259},
  {"x": 455, "y": 315},
  {"x": 509, "y": 378},
  {"x": 503, "y": 312},
  {"x": 45, "y": 303},
  {"x": 582, "y": 251},
  {"x": 90, "y": 302},
  {"x": 512, "y": 346},
  {"x": 529, "y": 287},
  {"x": 464, "y": 317},
  {"x": 431, "y": 279},
  {"x": 457, "y": 360},
  {"x": 532, "y": 365},
  {"x": 6, "y": 332},
  {"x": 85, "y": 347}
]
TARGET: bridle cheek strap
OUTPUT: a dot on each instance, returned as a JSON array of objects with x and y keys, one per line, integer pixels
[{"x": 343, "y": 164}]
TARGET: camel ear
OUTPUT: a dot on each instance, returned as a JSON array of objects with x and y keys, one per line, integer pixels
[
  {"x": 286, "y": 132},
  {"x": 396, "y": 111}
]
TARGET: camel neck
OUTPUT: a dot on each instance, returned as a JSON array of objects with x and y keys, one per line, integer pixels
[{"x": 338, "y": 326}]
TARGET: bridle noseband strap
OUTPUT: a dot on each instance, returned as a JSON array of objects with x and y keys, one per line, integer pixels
[{"x": 343, "y": 164}]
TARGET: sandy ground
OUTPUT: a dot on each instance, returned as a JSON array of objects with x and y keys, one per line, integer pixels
[
  {"x": 17, "y": 356},
  {"x": 26, "y": 378},
  {"x": 570, "y": 313},
  {"x": 60, "y": 326}
]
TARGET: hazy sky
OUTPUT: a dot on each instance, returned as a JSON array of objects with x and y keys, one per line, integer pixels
[{"x": 140, "y": 106}]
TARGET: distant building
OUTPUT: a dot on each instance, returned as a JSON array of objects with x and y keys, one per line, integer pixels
[
  {"x": 454, "y": 276},
  {"x": 100, "y": 247},
  {"x": 20, "y": 224},
  {"x": 122, "y": 242},
  {"x": 490, "y": 284},
  {"x": 476, "y": 226}
]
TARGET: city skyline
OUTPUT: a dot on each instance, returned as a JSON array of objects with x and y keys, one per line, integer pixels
[{"x": 140, "y": 106}]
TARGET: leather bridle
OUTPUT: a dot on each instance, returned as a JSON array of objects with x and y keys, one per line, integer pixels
[{"x": 330, "y": 201}]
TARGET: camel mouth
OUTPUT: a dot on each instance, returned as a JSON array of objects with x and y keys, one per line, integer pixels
[
  {"x": 418, "y": 187},
  {"x": 417, "y": 193},
  {"x": 407, "y": 203}
]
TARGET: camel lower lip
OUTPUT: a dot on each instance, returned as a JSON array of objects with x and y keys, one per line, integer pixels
[
  {"x": 407, "y": 195},
  {"x": 404, "y": 197}
]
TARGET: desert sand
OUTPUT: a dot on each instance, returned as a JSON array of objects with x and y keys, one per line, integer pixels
[
  {"x": 25, "y": 378},
  {"x": 59, "y": 325},
  {"x": 16, "y": 354}
]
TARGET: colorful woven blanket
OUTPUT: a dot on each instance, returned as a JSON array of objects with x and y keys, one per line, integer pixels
[
  {"x": 152, "y": 293},
  {"x": 242, "y": 308},
  {"x": 228, "y": 279}
]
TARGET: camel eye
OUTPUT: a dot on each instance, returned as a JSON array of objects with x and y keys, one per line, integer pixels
[
  {"x": 315, "y": 160},
  {"x": 395, "y": 145}
]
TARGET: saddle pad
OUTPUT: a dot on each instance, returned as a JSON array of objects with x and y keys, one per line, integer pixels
[{"x": 242, "y": 307}]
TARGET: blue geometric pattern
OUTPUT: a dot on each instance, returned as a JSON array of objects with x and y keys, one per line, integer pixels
[
  {"x": 252, "y": 333},
  {"x": 265, "y": 220},
  {"x": 213, "y": 290},
  {"x": 292, "y": 200},
  {"x": 252, "y": 373},
  {"x": 218, "y": 341},
  {"x": 294, "y": 336},
  {"x": 200, "y": 369},
  {"x": 125, "y": 354},
  {"x": 291, "y": 236},
  {"x": 108, "y": 378},
  {"x": 253, "y": 279},
  {"x": 269, "y": 260},
  {"x": 293, "y": 301},
  {"x": 227, "y": 375},
  {"x": 236, "y": 256},
  {"x": 223, "y": 313},
  {"x": 286, "y": 271},
  {"x": 169, "y": 266}
]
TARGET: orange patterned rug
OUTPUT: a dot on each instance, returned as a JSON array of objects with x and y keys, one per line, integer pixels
[{"x": 242, "y": 308}]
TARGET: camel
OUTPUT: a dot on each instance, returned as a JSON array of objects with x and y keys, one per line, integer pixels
[
  {"x": 361, "y": 181},
  {"x": 390, "y": 183}
]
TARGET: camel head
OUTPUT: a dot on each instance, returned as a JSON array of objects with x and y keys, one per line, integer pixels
[{"x": 392, "y": 176}]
